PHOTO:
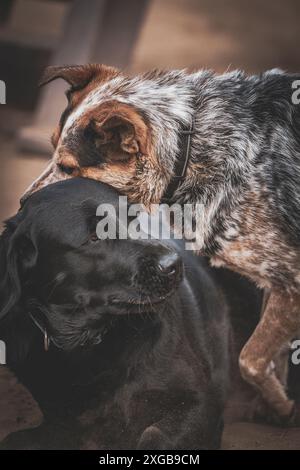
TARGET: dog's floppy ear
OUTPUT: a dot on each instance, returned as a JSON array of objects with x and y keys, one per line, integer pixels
[
  {"x": 121, "y": 133},
  {"x": 78, "y": 76},
  {"x": 17, "y": 254}
]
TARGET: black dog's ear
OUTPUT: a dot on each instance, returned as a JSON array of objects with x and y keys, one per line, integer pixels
[
  {"x": 17, "y": 254},
  {"x": 10, "y": 289}
]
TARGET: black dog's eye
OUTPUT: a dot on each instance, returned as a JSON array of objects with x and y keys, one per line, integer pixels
[{"x": 94, "y": 237}]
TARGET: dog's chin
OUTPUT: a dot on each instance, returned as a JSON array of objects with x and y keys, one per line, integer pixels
[
  {"x": 85, "y": 339},
  {"x": 69, "y": 336},
  {"x": 139, "y": 306}
]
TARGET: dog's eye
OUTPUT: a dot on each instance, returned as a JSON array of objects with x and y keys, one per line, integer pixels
[
  {"x": 66, "y": 169},
  {"x": 94, "y": 237}
]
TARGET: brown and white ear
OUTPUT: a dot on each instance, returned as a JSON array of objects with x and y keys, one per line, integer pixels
[
  {"x": 121, "y": 133},
  {"x": 78, "y": 76},
  {"x": 118, "y": 132}
]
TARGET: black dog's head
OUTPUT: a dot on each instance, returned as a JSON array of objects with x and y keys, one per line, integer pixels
[{"x": 59, "y": 274}]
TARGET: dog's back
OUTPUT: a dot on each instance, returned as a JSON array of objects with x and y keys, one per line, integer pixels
[{"x": 275, "y": 122}]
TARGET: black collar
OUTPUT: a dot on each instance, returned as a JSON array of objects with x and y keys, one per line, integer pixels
[{"x": 181, "y": 163}]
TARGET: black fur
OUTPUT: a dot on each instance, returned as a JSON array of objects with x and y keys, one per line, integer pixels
[{"x": 159, "y": 377}]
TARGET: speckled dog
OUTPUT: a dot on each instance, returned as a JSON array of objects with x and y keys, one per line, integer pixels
[{"x": 243, "y": 166}]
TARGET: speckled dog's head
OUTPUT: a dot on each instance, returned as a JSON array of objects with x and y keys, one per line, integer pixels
[{"x": 118, "y": 130}]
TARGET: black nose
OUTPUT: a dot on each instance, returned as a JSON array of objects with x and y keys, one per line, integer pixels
[{"x": 170, "y": 264}]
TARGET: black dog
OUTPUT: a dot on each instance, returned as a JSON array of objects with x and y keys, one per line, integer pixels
[{"x": 138, "y": 356}]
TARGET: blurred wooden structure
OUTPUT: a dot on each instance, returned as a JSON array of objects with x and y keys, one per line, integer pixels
[{"x": 95, "y": 31}]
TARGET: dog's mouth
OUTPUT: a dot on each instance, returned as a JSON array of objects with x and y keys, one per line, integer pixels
[
  {"x": 69, "y": 335},
  {"x": 140, "y": 305}
]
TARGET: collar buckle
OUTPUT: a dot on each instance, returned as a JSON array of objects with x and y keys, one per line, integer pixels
[
  {"x": 43, "y": 330},
  {"x": 181, "y": 163}
]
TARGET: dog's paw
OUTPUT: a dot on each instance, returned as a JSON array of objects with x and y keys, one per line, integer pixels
[
  {"x": 294, "y": 419},
  {"x": 154, "y": 439},
  {"x": 258, "y": 411}
]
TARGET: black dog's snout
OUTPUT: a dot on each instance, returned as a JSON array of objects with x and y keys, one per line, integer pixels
[
  {"x": 170, "y": 264},
  {"x": 159, "y": 272}
]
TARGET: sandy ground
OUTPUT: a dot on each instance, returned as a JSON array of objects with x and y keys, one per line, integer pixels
[
  {"x": 250, "y": 436},
  {"x": 18, "y": 411}
]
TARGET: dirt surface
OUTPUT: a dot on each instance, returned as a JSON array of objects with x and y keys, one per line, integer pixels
[
  {"x": 18, "y": 410},
  {"x": 250, "y": 436}
]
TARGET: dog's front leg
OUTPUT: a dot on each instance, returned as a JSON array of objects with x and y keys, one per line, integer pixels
[
  {"x": 279, "y": 323},
  {"x": 198, "y": 426}
]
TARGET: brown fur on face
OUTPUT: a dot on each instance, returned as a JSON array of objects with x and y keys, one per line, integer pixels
[
  {"x": 82, "y": 79},
  {"x": 111, "y": 142},
  {"x": 122, "y": 149}
]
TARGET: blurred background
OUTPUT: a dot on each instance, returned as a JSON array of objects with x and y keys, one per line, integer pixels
[{"x": 132, "y": 34}]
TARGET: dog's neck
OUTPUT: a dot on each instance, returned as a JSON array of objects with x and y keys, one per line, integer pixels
[
  {"x": 167, "y": 100},
  {"x": 220, "y": 152}
]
